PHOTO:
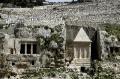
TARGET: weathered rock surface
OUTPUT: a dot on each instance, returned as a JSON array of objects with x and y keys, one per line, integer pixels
[{"x": 53, "y": 28}]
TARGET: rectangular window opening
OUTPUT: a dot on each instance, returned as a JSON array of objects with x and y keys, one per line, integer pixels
[
  {"x": 22, "y": 49},
  {"x": 34, "y": 48},
  {"x": 28, "y": 48},
  {"x": 33, "y": 62}
]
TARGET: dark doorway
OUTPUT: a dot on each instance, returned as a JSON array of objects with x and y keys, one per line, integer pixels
[
  {"x": 33, "y": 62},
  {"x": 13, "y": 63},
  {"x": 116, "y": 49},
  {"x": 82, "y": 69},
  {"x": 111, "y": 49}
]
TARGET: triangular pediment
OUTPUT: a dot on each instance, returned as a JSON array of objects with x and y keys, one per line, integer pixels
[{"x": 82, "y": 36}]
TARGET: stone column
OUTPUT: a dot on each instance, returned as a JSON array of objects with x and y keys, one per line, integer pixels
[
  {"x": 80, "y": 53},
  {"x": 75, "y": 52},
  {"x": 25, "y": 48},
  {"x": 90, "y": 50},
  {"x": 85, "y": 52}
]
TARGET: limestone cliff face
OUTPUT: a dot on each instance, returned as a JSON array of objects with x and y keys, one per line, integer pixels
[
  {"x": 42, "y": 25},
  {"x": 108, "y": 40},
  {"x": 50, "y": 44}
]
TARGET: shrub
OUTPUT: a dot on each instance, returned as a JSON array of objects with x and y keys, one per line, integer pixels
[{"x": 112, "y": 29}]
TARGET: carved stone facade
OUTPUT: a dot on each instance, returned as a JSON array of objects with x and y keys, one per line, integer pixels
[
  {"x": 38, "y": 38},
  {"x": 82, "y": 50}
]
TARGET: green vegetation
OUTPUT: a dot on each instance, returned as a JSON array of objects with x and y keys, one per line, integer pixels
[
  {"x": 112, "y": 29},
  {"x": 74, "y": 75},
  {"x": 23, "y": 3},
  {"x": 44, "y": 72},
  {"x": 5, "y": 69},
  {"x": 62, "y": 73},
  {"x": 103, "y": 73},
  {"x": 52, "y": 44}
]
